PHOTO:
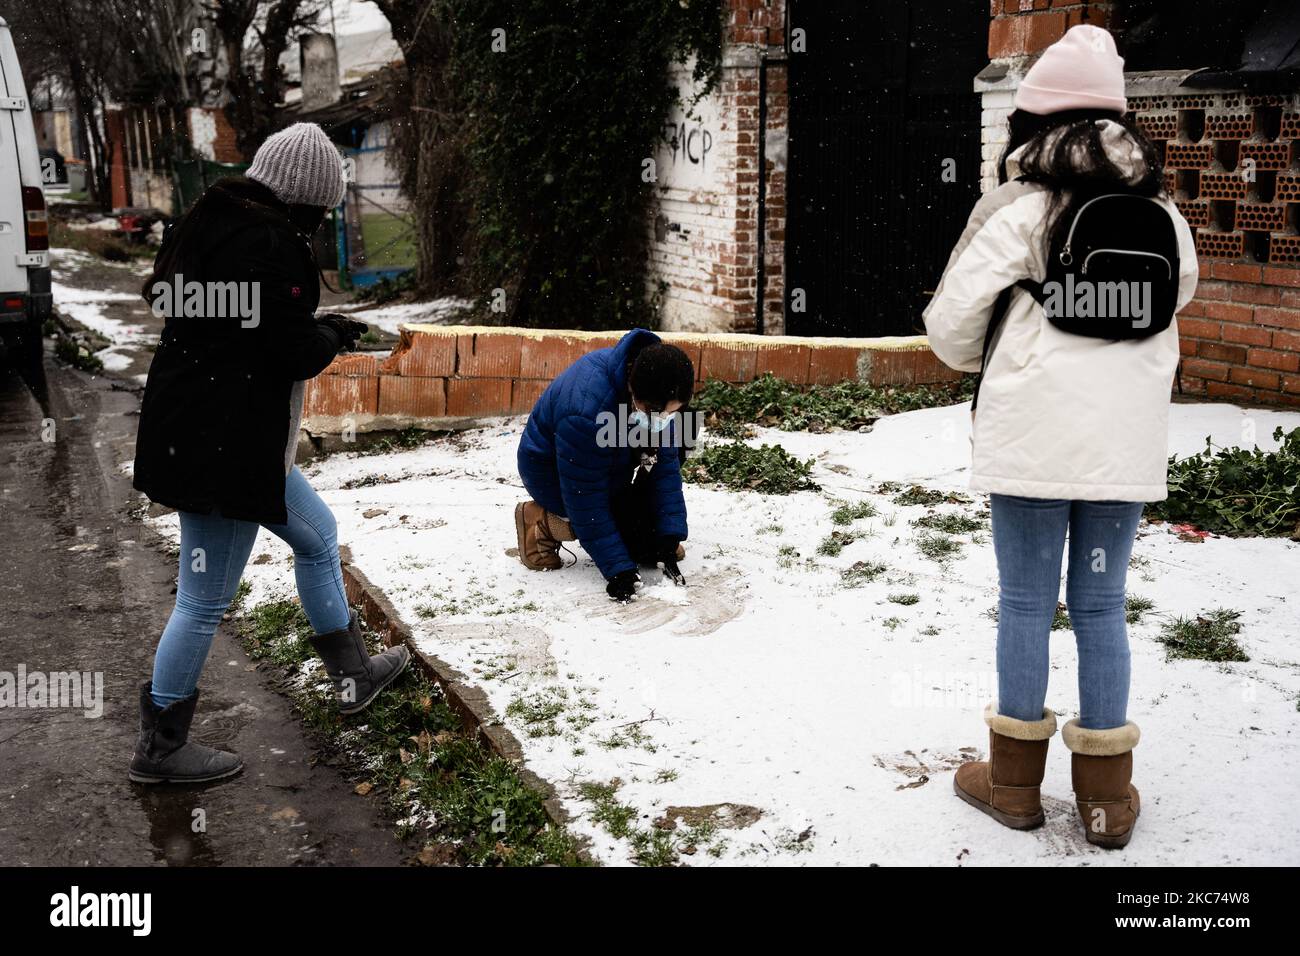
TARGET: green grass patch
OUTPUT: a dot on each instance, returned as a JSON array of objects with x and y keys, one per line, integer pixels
[
  {"x": 540, "y": 711},
  {"x": 1135, "y": 607},
  {"x": 276, "y": 632},
  {"x": 849, "y": 513},
  {"x": 907, "y": 600},
  {"x": 835, "y": 542},
  {"x": 1210, "y": 636},
  {"x": 1237, "y": 491},
  {"x": 769, "y": 469},
  {"x": 917, "y": 495},
  {"x": 486, "y": 603},
  {"x": 862, "y": 572},
  {"x": 950, "y": 523},
  {"x": 776, "y": 403},
  {"x": 787, "y": 556},
  {"x": 937, "y": 547},
  {"x": 651, "y": 846},
  {"x": 410, "y": 747}
]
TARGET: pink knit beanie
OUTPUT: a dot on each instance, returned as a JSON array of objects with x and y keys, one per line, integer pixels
[{"x": 1082, "y": 70}]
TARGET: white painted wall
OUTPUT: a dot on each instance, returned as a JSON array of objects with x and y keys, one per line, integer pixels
[{"x": 692, "y": 217}]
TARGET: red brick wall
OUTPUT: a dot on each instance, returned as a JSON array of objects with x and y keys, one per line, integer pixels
[
  {"x": 1233, "y": 167},
  {"x": 1241, "y": 334},
  {"x": 457, "y": 372}
]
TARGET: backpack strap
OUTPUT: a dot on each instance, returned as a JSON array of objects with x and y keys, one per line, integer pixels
[
  {"x": 1000, "y": 306},
  {"x": 1033, "y": 288}
]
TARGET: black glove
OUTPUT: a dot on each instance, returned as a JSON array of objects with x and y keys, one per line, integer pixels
[
  {"x": 346, "y": 329},
  {"x": 667, "y": 557},
  {"x": 622, "y": 586}
]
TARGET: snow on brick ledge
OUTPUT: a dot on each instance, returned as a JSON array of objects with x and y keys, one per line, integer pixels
[{"x": 440, "y": 376}]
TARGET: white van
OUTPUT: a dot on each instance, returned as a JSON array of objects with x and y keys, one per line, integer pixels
[{"x": 24, "y": 230}]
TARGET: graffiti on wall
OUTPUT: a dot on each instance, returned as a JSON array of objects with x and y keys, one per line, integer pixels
[{"x": 690, "y": 143}]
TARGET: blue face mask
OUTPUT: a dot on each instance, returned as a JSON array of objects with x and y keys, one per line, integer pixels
[{"x": 655, "y": 422}]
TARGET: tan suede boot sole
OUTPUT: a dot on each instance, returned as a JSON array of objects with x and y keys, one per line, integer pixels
[{"x": 1006, "y": 819}]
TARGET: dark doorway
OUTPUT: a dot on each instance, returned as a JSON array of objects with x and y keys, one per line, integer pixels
[{"x": 879, "y": 100}]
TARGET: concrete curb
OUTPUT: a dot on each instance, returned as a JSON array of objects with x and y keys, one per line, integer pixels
[{"x": 470, "y": 703}]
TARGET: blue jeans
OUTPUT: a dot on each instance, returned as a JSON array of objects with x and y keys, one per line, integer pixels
[
  {"x": 214, "y": 550},
  {"x": 1028, "y": 538}
]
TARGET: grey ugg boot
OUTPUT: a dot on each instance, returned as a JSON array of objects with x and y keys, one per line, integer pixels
[
  {"x": 163, "y": 753},
  {"x": 358, "y": 677}
]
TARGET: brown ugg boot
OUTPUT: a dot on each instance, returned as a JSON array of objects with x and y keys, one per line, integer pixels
[
  {"x": 540, "y": 533},
  {"x": 1006, "y": 785},
  {"x": 1101, "y": 766}
]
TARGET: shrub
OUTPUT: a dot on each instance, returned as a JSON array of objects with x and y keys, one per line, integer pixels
[
  {"x": 776, "y": 403},
  {"x": 562, "y": 119},
  {"x": 1237, "y": 491},
  {"x": 768, "y": 468}
]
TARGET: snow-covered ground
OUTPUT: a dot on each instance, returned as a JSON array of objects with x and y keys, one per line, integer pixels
[
  {"x": 442, "y": 311},
  {"x": 837, "y": 713},
  {"x": 85, "y": 301}
]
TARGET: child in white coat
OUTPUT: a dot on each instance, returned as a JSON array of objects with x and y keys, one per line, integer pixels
[{"x": 1069, "y": 437}]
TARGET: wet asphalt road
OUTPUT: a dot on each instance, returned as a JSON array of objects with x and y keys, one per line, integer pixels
[{"x": 83, "y": 587}]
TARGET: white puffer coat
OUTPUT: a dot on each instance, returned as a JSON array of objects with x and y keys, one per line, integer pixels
[{"x": 1060, "y": 415}]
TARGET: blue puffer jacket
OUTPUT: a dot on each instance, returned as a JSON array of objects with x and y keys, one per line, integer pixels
[{"x": 566, "y": 472}]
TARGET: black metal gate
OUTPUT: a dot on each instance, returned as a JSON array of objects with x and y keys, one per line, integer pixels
[{"x": 881, "y": 102}]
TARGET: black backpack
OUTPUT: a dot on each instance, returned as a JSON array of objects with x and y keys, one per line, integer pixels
[{"x": 1112, "y": 275}]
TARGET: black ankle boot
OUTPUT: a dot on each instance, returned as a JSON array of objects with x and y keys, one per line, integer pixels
[
  {"x": 357, "y": 676},
  {"x": 163, "y": 753}
]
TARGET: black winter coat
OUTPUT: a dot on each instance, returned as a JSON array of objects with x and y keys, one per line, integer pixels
[{"x": 215, "y": 419}]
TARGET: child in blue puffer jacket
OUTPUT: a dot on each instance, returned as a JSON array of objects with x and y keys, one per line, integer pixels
[{"x": 601, "y": 458}]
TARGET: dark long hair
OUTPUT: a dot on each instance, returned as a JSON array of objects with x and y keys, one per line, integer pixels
[{"x": 1052, "y": 160}]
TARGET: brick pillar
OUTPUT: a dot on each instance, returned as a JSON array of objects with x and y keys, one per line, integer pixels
[
  {"x": 1018, "y": 32},
  {"x": 777, "y": 138},
  {"x": 1026, "y": 27},
  {"x": 703, "y": 254},
  {"x": 755, "y": 29}
]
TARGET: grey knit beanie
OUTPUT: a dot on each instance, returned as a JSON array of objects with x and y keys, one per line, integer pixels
[{"x": 300, "y": 165}]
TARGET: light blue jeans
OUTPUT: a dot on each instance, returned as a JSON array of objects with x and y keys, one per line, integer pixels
[
  {"x": 1029, "y": 536},
  {"x": 214, "y": 550}
]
